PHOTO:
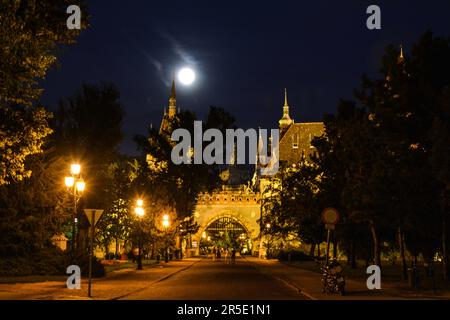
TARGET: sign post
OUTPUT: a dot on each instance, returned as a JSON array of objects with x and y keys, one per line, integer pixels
[
  {"x": 93, "y": 216},
  {"x": 330, "y": 217}
]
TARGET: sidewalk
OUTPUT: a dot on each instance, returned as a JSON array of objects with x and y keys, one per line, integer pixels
[
  {"x": 114, "y": 285},
  {"x": 309, "y": 283}
]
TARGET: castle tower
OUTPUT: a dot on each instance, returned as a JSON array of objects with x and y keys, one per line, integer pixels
[
  {"x": 168, "y": 117},
  {"x": 286, "y": 120},
  {"x": 172, "y": 101},
  {"x": 401, "y": 57}
]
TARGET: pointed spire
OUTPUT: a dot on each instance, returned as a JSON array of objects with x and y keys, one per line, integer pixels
[
  {"x": 285, "y": 98},
  {"x": 172, "y": 91},
  {"x": 286, "y": 107},
  {"x": 401, "y": 57},
  {"x": 286, "y": 120},
  {"x": 172, "y": 101}
]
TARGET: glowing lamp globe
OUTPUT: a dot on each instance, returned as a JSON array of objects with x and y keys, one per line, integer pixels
[
  {"x": 75, "y": 169},
  {"x": 81, "y": 185},
  {"x": 69, "y": 181},
  {"x": 139, "y": 211}
]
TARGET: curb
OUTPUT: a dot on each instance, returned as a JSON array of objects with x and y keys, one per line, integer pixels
[
  {"x": 157, "y": 281},
  {"x": 175, "y": 272}
]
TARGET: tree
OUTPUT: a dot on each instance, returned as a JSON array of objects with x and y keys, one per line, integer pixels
[
  {"x": 31, "y": 212},
  {"x": 175, "y": 187},
  {"x": 88, "y": 129},
  {"x": 383, "y": 161},
  {"x": 440, "y": 160},
  {"x": 292, "y": 206},
  {"x": 117, "y": 221},
  {"x": 31, "y": 32}
]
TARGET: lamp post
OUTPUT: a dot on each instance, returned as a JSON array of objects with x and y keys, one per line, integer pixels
[
  {"x": 75, "y": 186},
  {"x": 140, "y": 212},
  {"x": 166, "y": 224}
]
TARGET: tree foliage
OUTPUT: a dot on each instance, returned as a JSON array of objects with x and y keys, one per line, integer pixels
[
  {"x": 31, "y": 32},
  {"x": 382, "y": 162}
]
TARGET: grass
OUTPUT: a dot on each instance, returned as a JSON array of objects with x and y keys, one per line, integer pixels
[
  {"x": 128, "y": 265},
  {"x": 44, "y": 278},
  {"x": 31, "y": 279}
]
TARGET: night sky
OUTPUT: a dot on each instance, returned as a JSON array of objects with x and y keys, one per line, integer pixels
[{"x": 244, "y": 54}]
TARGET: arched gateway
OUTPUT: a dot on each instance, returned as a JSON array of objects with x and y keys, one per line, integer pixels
[{"x": 230, "y": 214}]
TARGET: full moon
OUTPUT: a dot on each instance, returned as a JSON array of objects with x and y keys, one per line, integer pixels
[{"x": 186, "y": 76}]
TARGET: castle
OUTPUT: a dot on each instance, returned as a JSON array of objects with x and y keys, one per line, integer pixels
[{"x": 234, "y": 210}]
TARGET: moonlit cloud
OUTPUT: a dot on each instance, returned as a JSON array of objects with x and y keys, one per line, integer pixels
[
  {"x": 178, "y": 49},
  {"x": 158, "y": 66}
]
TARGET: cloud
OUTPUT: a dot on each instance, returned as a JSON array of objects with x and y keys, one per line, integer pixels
[
  {"x": 178, "y": 49},
  {"x": 158, "y": 66}
]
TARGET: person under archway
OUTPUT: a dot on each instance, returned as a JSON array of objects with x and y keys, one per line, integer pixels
[{"x": 233, "y": 256}]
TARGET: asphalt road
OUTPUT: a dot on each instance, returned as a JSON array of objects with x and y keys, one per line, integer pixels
[{"x": 216, "y": 280}]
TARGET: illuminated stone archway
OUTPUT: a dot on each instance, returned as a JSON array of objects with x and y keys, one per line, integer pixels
[{"x": 240, "y": 205}]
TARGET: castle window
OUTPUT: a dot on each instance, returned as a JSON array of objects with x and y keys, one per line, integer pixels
[{"x": 295, "y": 141}]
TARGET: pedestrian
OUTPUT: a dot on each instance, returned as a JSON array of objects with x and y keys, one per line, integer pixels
[
  {"x": 218, "y": 254},
  {"x": 233, "y": 256},
  {"x": 226, "y": 255},
  {"x": 214, "y": 254}
]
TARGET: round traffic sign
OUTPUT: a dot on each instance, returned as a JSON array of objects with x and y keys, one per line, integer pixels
[{"x": 330, "y": 216}]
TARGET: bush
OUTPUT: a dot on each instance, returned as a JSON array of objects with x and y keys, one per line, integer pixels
[
  {"x": 47, "y": 261},
  {"x": 98, "y": 269},
  {"x": 112, "y": 256},
  {"x": 296, "y": 255}
]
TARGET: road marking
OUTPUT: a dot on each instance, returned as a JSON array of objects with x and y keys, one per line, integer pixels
[
  {"x": 287, "y": 283},
  {"x": 300, "y": 290}
]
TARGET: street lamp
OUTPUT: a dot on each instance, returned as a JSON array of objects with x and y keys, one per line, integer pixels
[
  {"x": 165, "y": 221},
  {"x": 140, "y": 212},
  {"x": 75, "y": 186},
  {"x": 80, "y": 185},
  {"x": 69, "y": 182},
  {"x": 75, "y": 169},
  {"x": 166, "y": 224}
]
